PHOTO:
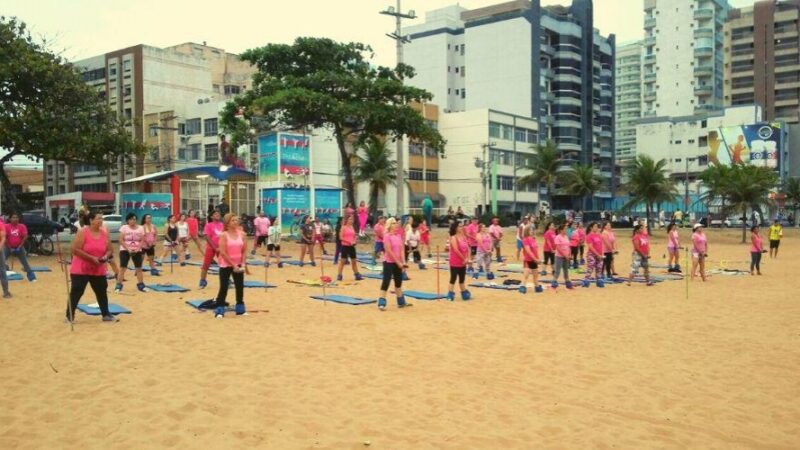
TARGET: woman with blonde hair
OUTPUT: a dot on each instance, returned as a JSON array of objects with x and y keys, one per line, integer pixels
[{"x": 232, "y": 248}]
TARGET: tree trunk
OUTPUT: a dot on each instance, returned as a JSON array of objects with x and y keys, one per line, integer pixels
[
  {"x": 373, "y": 202},
  {"x": 9, "y": 201},
  {"x": 346, "y": 169},
  {"x": 744, "y": 224},
  {"x": 648, "y": 208}
]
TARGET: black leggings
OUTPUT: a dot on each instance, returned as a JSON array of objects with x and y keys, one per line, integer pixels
[
  {"x": 574, "y": 251},
  {"x": 392, "y": 271},
  {"x": 458, "y": 272},
  {"x": 609, "y": 258},
  {"x": 414, "y": 251},
  {"x": 99, "y": 286},
  {"x": 224, "y": 282},
  {"x": 755, "y": 261}
]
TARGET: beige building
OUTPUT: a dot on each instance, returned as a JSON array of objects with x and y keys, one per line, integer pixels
[
  {"x": 762, "y": 58},
  {"x": 176, "y": 85},
  {"x": 628, "y": 97}
]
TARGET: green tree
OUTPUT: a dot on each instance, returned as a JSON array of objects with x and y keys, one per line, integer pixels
[
  {"x": 792, "y": 191},
  {"x": 715, "y": 180},
  {"x": 375, "y": 166},
  {"x": 748, "y": 187},
  {"x": 543, "y": 167},
  {"x": 317, "y": 82},
  {"x": 582, "y": 182},
  {"x": 649, "y": 183},
  {"x": 48, "y": 112}
]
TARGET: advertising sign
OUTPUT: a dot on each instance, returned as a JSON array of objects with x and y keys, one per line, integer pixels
[
  {"x": 757, "y": 144},
  {"x": 295, "y": 204},
  {"x": 159, "y": 206},
  {"x": 269, "y": 202},
  {"x": 294, "y": 157},
  {"x": 268, "y": 157},
  {"x": 327, "y": 205}
]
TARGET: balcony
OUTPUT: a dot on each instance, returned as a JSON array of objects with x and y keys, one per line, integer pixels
[
  {"x": 704, "y": 70},
  {"x": 650, "y": 77},
  {"x": 700, "y": 109},
  {"x": 703, "y": 90},
  {"x": 548, "y": 49},
  {"x": 650, "y": 96},
  {"x": 703, "y": 32},
  {"x": 605, "y": 154},
  {"x": 702, "y": 52},
  {"x": 704, "y": 14},
  {"x": 650, "y": 59},
  {"x": 649, "y": 113},
  {"x": 649, "y": 22},
  {"x": 649, "y": 40}
]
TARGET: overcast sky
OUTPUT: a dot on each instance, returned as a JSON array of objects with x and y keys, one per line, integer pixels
[{"x": 84, "y": 28}]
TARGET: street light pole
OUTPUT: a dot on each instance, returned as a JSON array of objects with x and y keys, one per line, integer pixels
[{"x": 400, "y": 40}]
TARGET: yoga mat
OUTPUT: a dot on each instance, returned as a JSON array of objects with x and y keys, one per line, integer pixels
[
  {"x": 166, "y": 288},
  {"x": 254, "y": 284},
  {"x": 14, "y": 276},
  {"x": 424, "y": 295},
  {"x": 40, "y": 269},
  {"x": 344, "y": 299},
  {"x": 374, "y": 276},
  {"x": 196, "y": 305},
  {"x": 494, "y": 286},
  {"x": 113, "y": 308}
]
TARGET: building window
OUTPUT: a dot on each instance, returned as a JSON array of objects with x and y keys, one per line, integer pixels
[
  {"x": 463, "y": 93},
  {"x": 463, "y": 72},
  {"x": 192, "y": 126},
  {"x": 415, "y": 174},
  {"x": 232, "y": 90},
  {"x": 677, "y": 142},
  {"x": 210, "y": 127},
  {"x": 182, "y": 154},
  {"x": 462, "y": 49},
  {"x": 457, "y": 69},
  {"x": 212, "y": 152},
  {"x": 194, "y": 152},
  {"x": 456, "y": 47},
  {"x": 506, "y": 183},
  {"x": 432, "y": 175},
  {"x": 457, "y": 92},
  {"x": 49, "y": 170},
  {"x": 128, "y": 113},
  {"x": 415, "y": 149},
  {"x": 49, "y": 190},
  {"x": 494, "y": 130},
  {"x": 126, "y": 65}
]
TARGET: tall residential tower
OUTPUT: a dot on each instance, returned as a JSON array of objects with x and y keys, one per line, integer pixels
[{"x": 628, "y": 99}]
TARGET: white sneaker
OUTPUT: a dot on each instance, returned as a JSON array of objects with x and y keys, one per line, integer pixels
[{"x": 219, "y": 316}]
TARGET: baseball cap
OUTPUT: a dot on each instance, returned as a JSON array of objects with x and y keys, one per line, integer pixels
[{"x": 697, "y": 225}]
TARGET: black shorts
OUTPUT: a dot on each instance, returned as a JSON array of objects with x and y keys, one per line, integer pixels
[
  {"x": 774, "y": 244},
  {"x": 348, "y": 251},
  {"x": 533, "y": 265},
  {"x": 149, "y": 251},
  {"x": 473, "y": 251},
  {"x": 260, "y": 240},
  {"x": 549, "y": 258},
  {"x": 274, "y": 247},
  {"x": 125, "y": 256}
]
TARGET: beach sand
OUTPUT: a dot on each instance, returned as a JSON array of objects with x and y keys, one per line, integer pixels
[{"x": 624, "y": 367}]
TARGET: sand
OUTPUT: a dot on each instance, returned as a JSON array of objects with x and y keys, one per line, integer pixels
[{"x": 625, "y": 367}]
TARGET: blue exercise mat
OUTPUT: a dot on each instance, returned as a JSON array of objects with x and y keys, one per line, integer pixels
[
  {"x": 166, "y": 288},
  {"x": 14, "y": 276},
  {"x": 40, "y": 269},
  {"x": 295, "y": 262},
  {"x": 254, "y": 284},
  {"x": 374, "y": 276},
  {"x": 424, "y": 295},
  {"x": 346, "y": 299},
  {"x": 113, "y": 308},
  {"x": 501, "y": 287}
]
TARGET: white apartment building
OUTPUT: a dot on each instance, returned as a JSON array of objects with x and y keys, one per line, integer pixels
[
  {"x": 628, "y": 96},
  {"x": 683, "y": 56}
]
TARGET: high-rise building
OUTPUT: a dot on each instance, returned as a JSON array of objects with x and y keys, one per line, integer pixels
[
  {"x": 683, "y": 56},
  {"x": 172, "y": 85},
  {"x": 628, "y": 94},
  {"x": 762, "y": 58},
  {"x": 520, "y": 58}
]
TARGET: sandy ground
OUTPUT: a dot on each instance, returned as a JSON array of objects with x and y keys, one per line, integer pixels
[{"x": 626, "y": 367}]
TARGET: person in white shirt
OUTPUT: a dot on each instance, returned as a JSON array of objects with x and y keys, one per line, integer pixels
[
  {"x": 412, "y": 239},
  {"x": 274, "y": 242}
]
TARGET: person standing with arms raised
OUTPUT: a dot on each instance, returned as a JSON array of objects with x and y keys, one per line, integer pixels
[
  {"x": 91, "y": 249},
  {"x": 232, "y": 264}
]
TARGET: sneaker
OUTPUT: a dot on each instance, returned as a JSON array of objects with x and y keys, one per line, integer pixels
[
  {"x": 600, "y": 283},
  {"x": 523, "y": 290},
  {"x": 339, "y": 278},
  {"x": 110, "y": 318},
  {"x": 475, "y": 275},
  {"x": 142, "y": 288},
  {"x": 466, "y": 295},
  {"x": 187, "y": 256},
  {"x": 154, "y": 272},
  {"x": 401, "y": 302},
  {"x": 183, "y": 263},
  {"x": 7, "y": 295},
  {"x": 118, "y": 288},
  {"x": 451, "y": 296},
  {"x": 538, "y": 289},
  {"x": 253, "y": 251},
  {"x": 240, "y": 309},
  {"x": 405, "y": 276},
  {"x": 203, "y": 284},
  {"x": 31, "y": 277},
  {"x": 554, "y": 285},
  {"x": 587, "y": 283},
  {"x": 490, "y": 276},
  {"x": 421, "y": 266},
  {"x": 382, "y": 303},
  {"x": 569, "y": 285},
  {"x": 219, "y": 313},
  {"x": 302, "y": 263},
  {"x": 313, "y": 263},
  {"x": 359, "y": 277}
]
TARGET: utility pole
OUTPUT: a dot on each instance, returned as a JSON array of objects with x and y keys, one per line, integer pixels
[{"x": 398, "y": 15}]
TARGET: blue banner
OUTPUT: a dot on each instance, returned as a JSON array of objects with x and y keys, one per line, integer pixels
[
  {"x": 294, "y": 157},
  {"x": 268, "y": 157},
  {"x": 327, "y": 205},
  {"x": 294, "y": 207},
  {"x": 269, "y": 203},
  {"x": 158, "y": 205}
]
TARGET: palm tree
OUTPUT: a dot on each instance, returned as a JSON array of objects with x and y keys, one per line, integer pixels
[
  {"x": 582, "y": 182},
  {"x": 748, "y": 187},
  {"x": 792, "y": 192},
  {"x": 543, "y": 167},
  {"x": 715, "y": 180},
  {"x": 649, "y": 183},
  {"x": 374, "y": 165}
]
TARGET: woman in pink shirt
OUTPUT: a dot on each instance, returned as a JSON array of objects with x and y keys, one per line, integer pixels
[
  {"x": 394, "y": 265},
  {"x": 756, "y": 249},
  {"x": 363, "y": 214},
  {"x": 641, "y": 254},
  {"x": 194, "y": 228},
  {"x": 425, "y": 237},
  {"x": 149, "y": 242},
  {"x": 594, "y": 255},
  {"x": 16, "y": 235},
  {"x": 581, "y": 232},
  {"x": 561, "y": 245},
  {"x": 548, "y": 248},
  {"x": 459, "y": 260},
  {"x": 484, "y": 254},
  {"x": 91, "y": 249},
  {"x": 496, "y": 231},
  {"x": 380, "y": 231},
  {"x": 261, "y": 225},
  {"x": 131, "y": 236},
  {"x": 530, "y": 258},
  {"x": 673, "y": 248},
  {"x": 232, "y": 248},
  {"x": 609, "y": 250},
  {"x": 699, "y": 251},
  {"x": 347, "y": 236}
]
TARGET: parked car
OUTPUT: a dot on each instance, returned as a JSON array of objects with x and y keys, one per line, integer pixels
[{"x": 38, "y": 223}]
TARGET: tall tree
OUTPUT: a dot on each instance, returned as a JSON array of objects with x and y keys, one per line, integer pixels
[
  {"x": 649, "y": 183},
  {"x": 582, "y": 182},
  {"x": 715, "y": 179},
  {"x": 543, "y": 167},
  {"x": 48, "y": 112},
  {"x": 748, "y": 187},
  {"x": 375, "y": 166},
  {"x": 792, "y": 191},
  {"x": 317, "y": 82}
]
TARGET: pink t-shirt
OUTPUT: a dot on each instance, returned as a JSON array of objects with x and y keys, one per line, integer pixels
[
  {"x": 530, "y": 245},
  {"x": 149, "y": 236},
  {"x": 561, "y": 245},
  {"x": 15, "y": 234},
  {"x": 234, "y": 245},
  {"x": 395, "y": 243},
  {"x": 379, "y": 230},
  {"x": 262, "y": 226},
  {"x": 672, "y": 244},
  {"x": 608, "y": 242},
  {"x": 94, "y": 246},
  {"x": 756, "y": 243},
  {"x": 578, "y": 237},
  {"x": 699, "y": 243},
  {"x": 213, "y": 230},
  {"x": 455, "y": 259},
  {"x": 549, "y": 240},
  {"x": 595, "y": 242},
  {"x": 348, "y": 236},
  {"x": 471, "y": 231},
  {"x": 496, "y": 231},
  {"x": 132, "y": 237},
  {"x": 644, "y": 243},
  {"x": 485, "y": 243}
]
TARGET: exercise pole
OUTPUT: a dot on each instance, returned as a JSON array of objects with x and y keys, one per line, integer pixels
[
  {"x": 63, "y": 264},
  {"x": 438, "y": 269}
]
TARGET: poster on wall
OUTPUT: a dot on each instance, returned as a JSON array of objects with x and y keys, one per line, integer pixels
[
  {"x": 327, "y": 205},
  {"x": 757, "y": 144},
  {"x": 295, "y": 205},
  {"x": 268, "y": 158},
  {"x": 294, "y": 158},
  {"x": 269, "y": 202},
  {"x": 158, "y": 205}
]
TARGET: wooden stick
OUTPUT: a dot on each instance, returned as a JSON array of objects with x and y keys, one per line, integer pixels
[
  {"x": 322, "y": 278},
  {"x": 63, "y": 264},
  {"x": 438, "y": 269},
  {"x": 266, "y": 271}
]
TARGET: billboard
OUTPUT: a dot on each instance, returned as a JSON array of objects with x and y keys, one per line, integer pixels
[
  {"x": 268, "y": 157},
  {"x": 295, "y": 204},
  {"x": 327, "y": 205},
  {"x": 269, "y": 202},
  {"x": 757, "y": 144},
  {"x": 294, "y": 157},
  {"x": 159, "y": 206}
]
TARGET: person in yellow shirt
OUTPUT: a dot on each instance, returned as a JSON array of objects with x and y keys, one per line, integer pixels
[{"x": 775, "y": 235}]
